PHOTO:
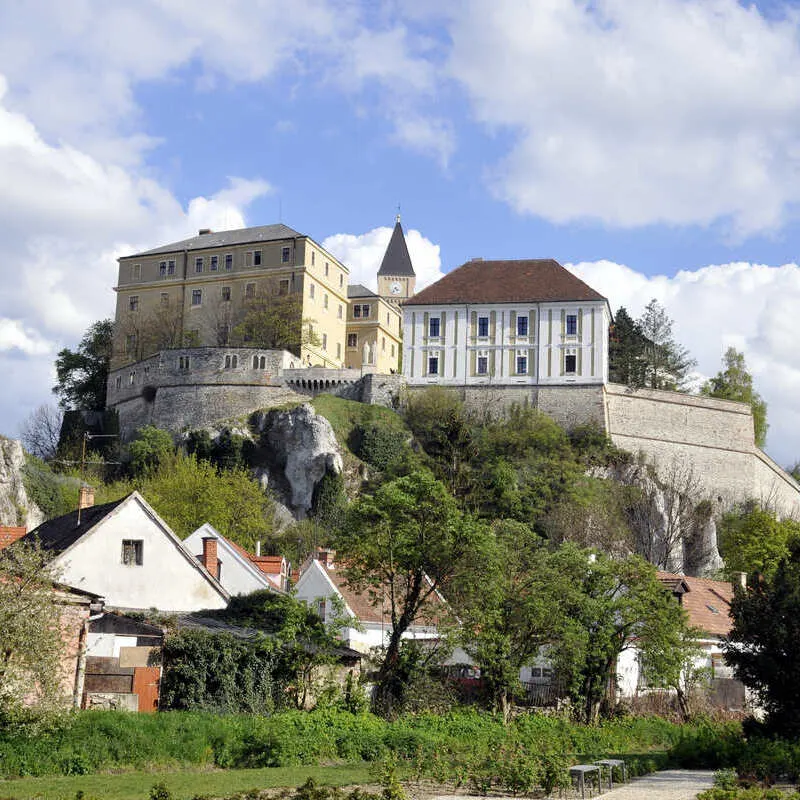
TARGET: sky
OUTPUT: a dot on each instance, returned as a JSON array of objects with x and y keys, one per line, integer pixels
[{"x": 652, "y": 147}]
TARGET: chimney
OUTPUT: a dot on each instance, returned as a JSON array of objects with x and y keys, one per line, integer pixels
[
  {"x": 325, "y": 557},
  {"x": 739, "y": 578},
  {"x": 85, "y": 497},
  {"x": 209, "y": 558},
  {"x": 204, "y": 231},
  {"x": 258, "y": 549}
]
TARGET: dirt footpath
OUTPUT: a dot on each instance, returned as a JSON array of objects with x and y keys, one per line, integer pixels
[{"x": 669, "y": 784}]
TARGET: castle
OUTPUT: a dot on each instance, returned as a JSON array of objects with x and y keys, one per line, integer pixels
[{"x": 498, "y": 332}]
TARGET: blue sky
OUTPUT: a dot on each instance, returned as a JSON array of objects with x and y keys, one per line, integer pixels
[{"x": 652, "y": 147}]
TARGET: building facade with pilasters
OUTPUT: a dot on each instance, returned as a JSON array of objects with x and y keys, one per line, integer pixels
[{"x": 527, "y": 322}]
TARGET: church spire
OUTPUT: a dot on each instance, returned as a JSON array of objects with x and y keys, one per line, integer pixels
[{"x": 396, "y": 260}]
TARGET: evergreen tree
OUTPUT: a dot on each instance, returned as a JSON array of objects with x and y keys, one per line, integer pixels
[
  {"x": 626, "y": 351},
  {"x": 734, "y": 382},
  {"x": 666, "y": 363}
]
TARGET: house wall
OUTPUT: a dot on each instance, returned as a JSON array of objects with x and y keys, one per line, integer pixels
[
  {"x": 163, "y": 307},
  {"x": 236, "y": 577},
  {"x": 72, "y": 617},
  {"x": 459, "y": 346},
  {"x": 381, "y": 330},
  {"x": 165, "y": 580}
]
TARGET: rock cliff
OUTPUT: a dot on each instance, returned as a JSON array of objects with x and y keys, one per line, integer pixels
[{"x": 16, "y": 508}]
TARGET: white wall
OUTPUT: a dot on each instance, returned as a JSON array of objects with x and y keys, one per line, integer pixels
[
  {"x": 238, "y": 576},
  {"x": 545, "y": 345},
  {"x": 166, "y": 580}
]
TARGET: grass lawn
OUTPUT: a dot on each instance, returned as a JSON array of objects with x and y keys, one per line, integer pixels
[{"x": 183, "y": 785}]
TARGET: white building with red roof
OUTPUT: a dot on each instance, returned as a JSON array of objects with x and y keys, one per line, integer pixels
[{"x": 522, "y": 323}]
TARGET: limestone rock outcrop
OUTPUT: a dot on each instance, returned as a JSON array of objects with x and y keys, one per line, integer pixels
[
  {"x": 302, "y": 448},
  {"x": 16, "y": 508}
]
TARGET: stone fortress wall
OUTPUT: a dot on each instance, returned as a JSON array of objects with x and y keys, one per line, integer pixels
[{"x": 192, "y": 388}]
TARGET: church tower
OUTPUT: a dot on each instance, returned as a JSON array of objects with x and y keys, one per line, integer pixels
[{"x": 396, "y": 277}]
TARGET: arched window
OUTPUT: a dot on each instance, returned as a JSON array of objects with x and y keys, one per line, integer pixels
[
  {"x": 262, "y": 362},
  {"x": 255, "y": 362}
]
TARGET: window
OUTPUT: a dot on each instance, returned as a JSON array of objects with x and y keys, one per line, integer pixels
[
  {"x": 383, "y": 344},
  {"x": 326, "y": 269},
  {"x": 197, "y": 297},
  {"x": 162, "y": 268},
  {"x": 183, "y": 363},
  {"x": 198, "y": 264},
  {"x": 255, "y": 362},
  {"x": 283, "y": 287},
  {"x": 341, "y": 280},
  {"x": 433, "y": 327},
  {"x": 171, "y": 266},
  {"x": 483, "y": 326},
  {"x": 313, "y": 258},
  {"x": 133, "y": 552},
  {"x": 131, "y": 378},
  {"x": 286, "y": 253},
  {"x": 228, "y": 262},
  {"x": 433, "y": 365},
  {"x": 339, "y": 312},
  {"x": 570, "y": 363},
  {"x": 133, "y": 302},
  {"x": 164, "y": 298},
  {"x": 213, "y": 263},
  {"x": 324, "y": 341},
  {"x": 360, "y": 311},
  {"x": 572, "y": 324},
  {"x": 311, "y": 290},
  {"x": 352, "y": 341},
  {"x": 522, "y": 365},
  {"x": 522, "y": 326},
  {"x": 387, "y": 321},
  {"x": 231, "y": 361},
  {"x": 338, "y": 349},
  {"x": 136, "y": 272},
  {"x": 392, "y": 351},
  {"x": 483, "y": 365},
  {"x": 118, "y": 382},
  {"x": 250, "y": 291},
  {"x": 226, "y": 294},
  {"x": 130, "y": 343},
  {"x": 256, "y": 258},
  {"x": 325, "y": 302}
]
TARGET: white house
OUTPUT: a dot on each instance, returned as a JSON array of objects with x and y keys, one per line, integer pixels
[
  {"x": 509, "y": 323},
  {"x": 125, "y": 552},
  {"x": 321, "y": 580},
  {"x": 707, "y": 603},
  {"x": 238, "y": 571}
]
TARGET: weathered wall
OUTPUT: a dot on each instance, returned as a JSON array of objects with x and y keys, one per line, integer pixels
[{"x": 712, "y": 438}]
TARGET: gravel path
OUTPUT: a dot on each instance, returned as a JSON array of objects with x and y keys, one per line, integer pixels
[{"x": 669, "y": 784}]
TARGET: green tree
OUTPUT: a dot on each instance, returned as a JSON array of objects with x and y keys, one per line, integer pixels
[
  {"x": 30, "y": 635},
  {"x": 626, "y": 351},
  {"x": 276, "y": 321},
  {"x": 666, "y": 363},
  {"x": 82, "y": 373},
  {"x": 406, "y": 542},
  {"x": 764, "y": 644},
  {"x": 151, "y": 449},
  {"x": 753, "y": 539},
  {"x": 734, "y": 382},
  {"x": 187, "y": 493}
]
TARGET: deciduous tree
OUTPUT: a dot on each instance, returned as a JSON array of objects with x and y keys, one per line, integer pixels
[
  {"x": 41, "y": 430},
  {"x": 734, "y": 382},
  {"x": 82, "y": 373}
]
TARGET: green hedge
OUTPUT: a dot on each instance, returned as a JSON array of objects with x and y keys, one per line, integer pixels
[{"x": 445, "y": 746}]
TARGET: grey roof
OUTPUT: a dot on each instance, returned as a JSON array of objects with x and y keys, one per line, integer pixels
[
  {"x": 396, "y": 260},
  {"x": 261, "y": 233},
  {"x": 359, "y": 290},
  {"x": 56, "y": 535}
]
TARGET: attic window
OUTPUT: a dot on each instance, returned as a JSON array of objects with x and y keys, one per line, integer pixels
[{"x": 133, "y": 552}]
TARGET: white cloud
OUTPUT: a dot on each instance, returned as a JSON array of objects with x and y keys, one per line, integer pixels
[
  {"x": 634, "y": 113},
  {"x": 752, "y": 307},
  {"x": 363, "y": 254},
  {"x": 66, "y": 217}
]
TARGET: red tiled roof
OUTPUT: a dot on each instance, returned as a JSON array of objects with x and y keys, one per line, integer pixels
[
  {"x": 9, "y": 534},
  {"x": 367, "y": 607},
  {"x": 526, "y": 280},
  {"x": 707, "y": 602}
]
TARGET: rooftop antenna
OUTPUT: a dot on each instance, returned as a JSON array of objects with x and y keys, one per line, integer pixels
[{"x": 397, "y": 218}]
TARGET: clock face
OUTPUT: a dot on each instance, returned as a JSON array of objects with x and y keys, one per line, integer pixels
[{"x": 395, "y": 288}]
